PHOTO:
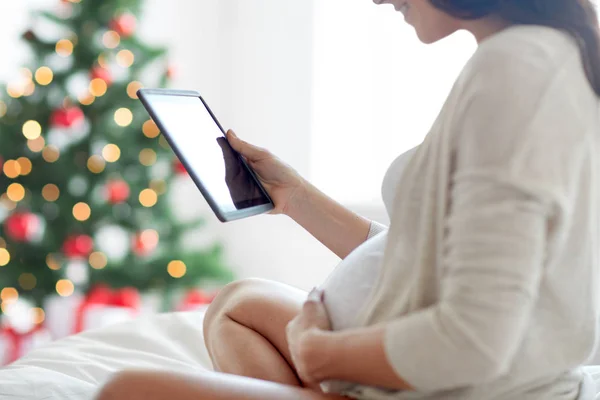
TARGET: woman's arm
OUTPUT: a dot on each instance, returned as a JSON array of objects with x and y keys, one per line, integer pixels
[
  {"x": 356, "y": 355},
  {"x": 332, "y": 224},
  {"x": 336, "y": 227}
]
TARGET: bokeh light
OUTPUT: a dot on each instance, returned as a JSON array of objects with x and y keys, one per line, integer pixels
[
  {"x": 3, "y": 109},
  {"x": 15, "y": 89},
  {"x": 125, "y": 58},
  {"x": 12, "y": 169},
  {"x": 50, "y": 154},
  {"x": 32, "y": 129},
  {"x": 98, "y": 87},
  {"x": 147, "y": 157},
  {"x": 150, "y": 129},
  {"x": 52, "y": 262},
  {"x": 29, "y": 89},
  {"x": 102, "y": 61},
  {"x": 96, "y": 164},
  {"x": 150, "y": 238},
  {"x": 44, "y": 76},
  {"x": 148, "y": 198},
  {"x": 177, "y": 269},
  {"x": 132, "y": 89},
  {"x": 25, "y": 164},
  {"x": 86, "y": 99},
  {"x": 111, "y": 39},
  {"x": 123, "y": 117},
  {"x": 111, "y": 153},
  {"x": 15, "y": 192},
  {"x": 9, "y": 295},
  {"x": 98, "y": 260},
  {"x": 4, "y": 257},
  {"x": 36, "y": 145},
  {"x": 27, "y": 281},
  {"x": 64, "y": 47},
  {"x": 38, "y": 315},
  {"x": 65, "y": 288},
  {"x": 82, "y": 212},
  {"x": 50, "y": 192},
  {"x": 2, "y": 243}
]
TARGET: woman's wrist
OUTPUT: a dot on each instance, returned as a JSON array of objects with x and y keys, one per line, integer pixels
[
  {"x": 338, "y": 228},
  {"x": 299, "y": 199},
  {"x": 356, "y": 355},
  {"x": 322, "y": 354}
]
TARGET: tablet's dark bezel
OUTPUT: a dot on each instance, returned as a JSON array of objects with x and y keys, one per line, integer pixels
[{"x": 223, "y": 216}]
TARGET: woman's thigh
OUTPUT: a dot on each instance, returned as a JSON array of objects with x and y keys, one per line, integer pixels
[
  {"x": 261, "y": 305},
  {"x": 139, "y": 385}
]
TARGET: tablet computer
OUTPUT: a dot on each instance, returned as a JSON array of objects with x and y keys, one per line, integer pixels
[{"x": 223, "y": 177}]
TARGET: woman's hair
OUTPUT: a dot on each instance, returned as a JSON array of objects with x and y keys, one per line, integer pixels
[{"x": 578, "y": 17}]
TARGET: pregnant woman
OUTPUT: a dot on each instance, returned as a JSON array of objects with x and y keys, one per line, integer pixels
[{"x": 486, "y": 284}]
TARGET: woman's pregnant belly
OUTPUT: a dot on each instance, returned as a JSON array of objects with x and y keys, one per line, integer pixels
[{"x": 349, "y": 285}]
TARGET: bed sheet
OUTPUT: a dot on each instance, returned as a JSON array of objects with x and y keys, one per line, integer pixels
[{"x": 73, "y": 368}]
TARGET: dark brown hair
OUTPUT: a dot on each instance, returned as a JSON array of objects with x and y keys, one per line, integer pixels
[{"x": 577, "y": 17}]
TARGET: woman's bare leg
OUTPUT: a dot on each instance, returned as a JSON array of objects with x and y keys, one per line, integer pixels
[
  {"x": 244, "y": 330},
  {"x": 207, "y": 386}
]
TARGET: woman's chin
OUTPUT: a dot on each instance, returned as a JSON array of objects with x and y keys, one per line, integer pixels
[{"x": 429, "y": 36}]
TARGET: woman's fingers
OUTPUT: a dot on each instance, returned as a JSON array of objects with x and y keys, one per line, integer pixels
[
  {"x": 315, "y": 296},
  {"x": 246, "y": 149}
]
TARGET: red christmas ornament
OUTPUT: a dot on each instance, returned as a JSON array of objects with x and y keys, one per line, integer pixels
[
  {"x": 21, "y": 227},
  {"x": 102, "y": 295},
  {"x": 144, "y": 243},
  {"x": 124, "y": 24},
  {"x": 179, "y": 167},
  {"x": 101, "y": 73},
  {"x": 194, "y": 299},
  {"x": 117, "y": 191},
  {"x": 78, "y": 246},
  {"x": 66, "y": 117}
]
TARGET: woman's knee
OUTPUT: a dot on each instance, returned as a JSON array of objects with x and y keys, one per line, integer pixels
[
  {"x": 251, "y": 301},
  {"x": 121, "y": 386},
  {"x": 231, "y": 298}
]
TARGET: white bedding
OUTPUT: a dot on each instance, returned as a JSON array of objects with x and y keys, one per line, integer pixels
[{"x": 74, "y": 368}]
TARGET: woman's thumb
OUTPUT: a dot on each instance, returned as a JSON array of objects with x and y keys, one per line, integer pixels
[
  {"x": 247, "y": 150},
  {"x": 232, "y": 134}
]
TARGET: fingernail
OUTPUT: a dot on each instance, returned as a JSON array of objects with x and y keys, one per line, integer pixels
[
  {"x": 233, "y": 134},
  {"x": 314, "y": 295}
]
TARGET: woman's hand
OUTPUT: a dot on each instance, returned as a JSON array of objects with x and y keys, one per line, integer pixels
[
  {"x": 301, "y": 331},
  {"x": 283, "y": 184}
]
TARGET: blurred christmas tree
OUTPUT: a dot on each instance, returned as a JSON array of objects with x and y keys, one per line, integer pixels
[{"x": 83, "y": 172}]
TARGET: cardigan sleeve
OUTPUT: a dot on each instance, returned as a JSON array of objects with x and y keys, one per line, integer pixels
[
  {"x": 375, "y": 229},
  {"x": 513, "y": 160}
]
